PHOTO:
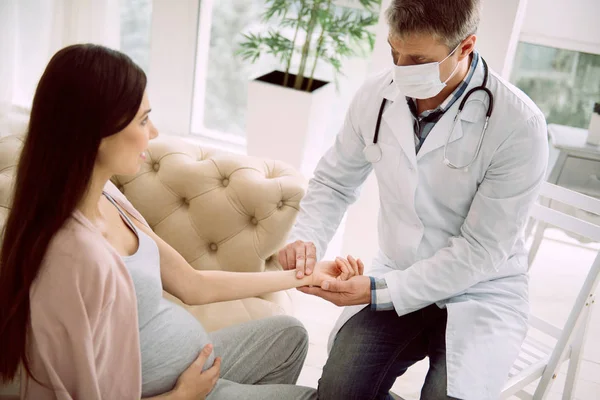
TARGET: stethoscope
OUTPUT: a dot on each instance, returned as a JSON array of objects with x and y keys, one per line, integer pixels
[{"x": 373, "y": 152}]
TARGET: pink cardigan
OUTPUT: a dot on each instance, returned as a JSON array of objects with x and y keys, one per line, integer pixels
[{"x": 84, "y": 340}]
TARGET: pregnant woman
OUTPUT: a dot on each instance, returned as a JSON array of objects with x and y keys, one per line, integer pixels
[{"x": 82, "y": 274}]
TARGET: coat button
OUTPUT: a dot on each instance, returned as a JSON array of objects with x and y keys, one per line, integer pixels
[{"x": 214, "y": 247}]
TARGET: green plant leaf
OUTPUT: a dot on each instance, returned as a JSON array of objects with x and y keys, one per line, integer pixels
[
  {"x": 326, "y": 33},
  {"x": 275, "y": 8}
]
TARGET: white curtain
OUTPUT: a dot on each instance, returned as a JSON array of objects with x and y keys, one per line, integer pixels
[
  {"x": 8, "y": 41},
  {"x": 86, "y": 21},
  {"x": 31, "y": 31}
]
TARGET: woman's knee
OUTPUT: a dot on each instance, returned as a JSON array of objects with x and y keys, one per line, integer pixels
[
  {"x": 287, "y": 322},
  {"x": 291, "y": 329}
]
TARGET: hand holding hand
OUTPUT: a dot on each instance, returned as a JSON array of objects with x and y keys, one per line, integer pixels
[
  {"x": 300, "y": 256},
  {"x": 341, "y": 269},
  {"x": 355, "y": 291}
]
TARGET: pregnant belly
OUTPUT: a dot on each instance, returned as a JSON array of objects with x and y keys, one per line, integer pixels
[{"x": 169, "y": 342}]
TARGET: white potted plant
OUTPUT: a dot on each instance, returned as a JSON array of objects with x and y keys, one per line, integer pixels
[{"x": 288, "y": 109}]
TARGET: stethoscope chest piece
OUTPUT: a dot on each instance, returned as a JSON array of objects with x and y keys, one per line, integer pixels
[{"x": 372, "y": 153}]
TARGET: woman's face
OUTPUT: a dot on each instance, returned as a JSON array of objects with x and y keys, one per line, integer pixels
[{"x": 124, "y": 152}]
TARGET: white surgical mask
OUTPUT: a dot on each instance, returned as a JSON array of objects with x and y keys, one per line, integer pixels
[{"x": 421, "y": 81}]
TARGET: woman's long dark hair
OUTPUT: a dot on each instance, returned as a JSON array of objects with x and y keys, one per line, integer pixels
[{"x": 86, "y": 93}]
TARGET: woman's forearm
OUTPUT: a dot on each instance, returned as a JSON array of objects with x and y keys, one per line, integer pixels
[{"x": 215, "y": 286}]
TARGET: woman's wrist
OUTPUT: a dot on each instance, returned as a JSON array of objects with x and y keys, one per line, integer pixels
[
  {"x": 298, "y": 282},
  {"x": 315, "y": 277}
]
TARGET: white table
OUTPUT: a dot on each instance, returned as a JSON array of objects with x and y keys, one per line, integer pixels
[{"x": 577, "y": 168}]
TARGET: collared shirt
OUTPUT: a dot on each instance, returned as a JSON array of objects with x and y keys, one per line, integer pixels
[{"x": 423, "y": 124}]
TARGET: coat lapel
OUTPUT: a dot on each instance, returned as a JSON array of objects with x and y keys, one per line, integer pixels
[
  {"x": 399, "y": 120},
  {"x": 443, "y": 130}
]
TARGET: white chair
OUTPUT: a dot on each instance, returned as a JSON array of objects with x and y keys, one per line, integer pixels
[{"x": 538, "y": 359}]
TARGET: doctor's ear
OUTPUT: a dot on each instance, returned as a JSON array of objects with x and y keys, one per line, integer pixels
[{"x": 467, "y": 46}]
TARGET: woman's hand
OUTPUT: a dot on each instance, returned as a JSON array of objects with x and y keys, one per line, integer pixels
[
  {"x": 341, "y": 269},
  {"x": 195, "y": 384}
]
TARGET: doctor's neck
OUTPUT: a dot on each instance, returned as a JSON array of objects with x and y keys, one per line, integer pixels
[{"x": 461, "y": 72}]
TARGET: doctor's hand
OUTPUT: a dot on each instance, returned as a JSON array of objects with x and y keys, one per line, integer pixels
[
  {"x": 301, "y": 256},
  {"x": 355, "y": 291},
  {"x": 341, "y": 269}
]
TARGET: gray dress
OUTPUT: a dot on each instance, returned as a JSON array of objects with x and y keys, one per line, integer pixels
[{"x": 170, "y": 337}]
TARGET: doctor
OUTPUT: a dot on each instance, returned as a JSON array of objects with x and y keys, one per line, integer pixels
[{"x": 450, "y": 281}]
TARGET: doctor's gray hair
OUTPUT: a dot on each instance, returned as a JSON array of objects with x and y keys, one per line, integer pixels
[{"x": 451, "y": 21}]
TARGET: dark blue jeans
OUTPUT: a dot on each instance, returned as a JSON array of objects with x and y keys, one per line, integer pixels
[{"x": 375, "y": 347}]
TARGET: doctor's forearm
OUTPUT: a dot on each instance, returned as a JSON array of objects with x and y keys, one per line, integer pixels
[
  {"x": 442, "y": 276},
  {"x": 216, "y": 286}
]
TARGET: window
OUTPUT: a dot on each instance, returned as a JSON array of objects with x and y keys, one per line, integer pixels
[
  {"x": 136, "y": 22},
  {"x": 227, "y": 75},
  {"x": 565, "y": 84}
]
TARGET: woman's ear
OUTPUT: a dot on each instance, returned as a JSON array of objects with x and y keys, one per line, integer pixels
[{"x": 102, "y": 147}]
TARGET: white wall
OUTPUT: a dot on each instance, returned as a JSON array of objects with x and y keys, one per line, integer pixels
[
  {"x": 498, "y": 34},
  {"x": 569, "y": 24},
  {"x": 381, "y": 57}
]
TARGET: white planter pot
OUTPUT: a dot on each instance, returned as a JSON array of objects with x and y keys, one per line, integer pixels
[{"x": 287, "y": 124}]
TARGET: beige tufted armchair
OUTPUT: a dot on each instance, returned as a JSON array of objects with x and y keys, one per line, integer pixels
[{"x": 220, "y": 211}]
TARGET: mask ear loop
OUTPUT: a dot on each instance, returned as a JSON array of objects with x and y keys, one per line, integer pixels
[
  {"x": 452, "y": 52},
  {"x": 452, "y": 73},
  {"x": 455, "y": 68}
]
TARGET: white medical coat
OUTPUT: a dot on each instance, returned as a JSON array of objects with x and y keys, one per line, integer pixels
[{"x": 450, "y": 237}]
